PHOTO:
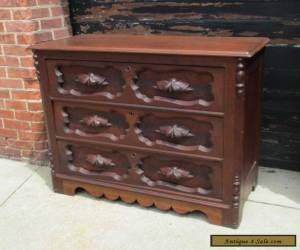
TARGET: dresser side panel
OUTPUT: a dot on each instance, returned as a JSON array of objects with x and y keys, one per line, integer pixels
[
  {"x": 253, "y": 95},
  {"x": 49, "y": 117},
  {"x": 233, "y": 144}
]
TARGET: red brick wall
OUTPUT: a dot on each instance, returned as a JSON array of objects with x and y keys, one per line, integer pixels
[{"x": 22, "y": 23}]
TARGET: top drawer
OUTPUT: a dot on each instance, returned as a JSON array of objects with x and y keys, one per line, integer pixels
[{"x": 169, "y": 86}]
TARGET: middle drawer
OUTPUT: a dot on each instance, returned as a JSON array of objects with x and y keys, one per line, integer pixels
[{"x": 164, "y": 130}]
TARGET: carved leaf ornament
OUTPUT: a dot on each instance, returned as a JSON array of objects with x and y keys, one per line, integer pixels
[
  {"x": 99, "y": 160},
  {"x": 96, "y": 121},
  {"x": 174, "y": 131},
  {"x": 173, "y": 85},
  {"x": 91, "y": 79},
  {"x": 175, "y": 172}
]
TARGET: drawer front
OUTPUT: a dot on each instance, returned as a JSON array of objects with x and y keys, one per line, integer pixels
[
  {"x": 181, "y": 87},
  {"x": 163, "y": 172},
  {"x": 190, "y": 87},
  {"x": 86, "y": 80},
  {"x": 179, "y": 132}
]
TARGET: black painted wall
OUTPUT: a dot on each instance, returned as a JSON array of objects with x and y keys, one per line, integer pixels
[{"x": 277, "y": 19}]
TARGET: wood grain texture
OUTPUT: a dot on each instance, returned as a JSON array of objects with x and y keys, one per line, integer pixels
[
  {"x": 181, "y": 158},
  {"x": 214, "y": 215},
  {"x": 142, "y": 128},
  {"x": 143, "y": 170},
  {"x": 159, "y": 44},
  {"x": 207, "y": 83}
]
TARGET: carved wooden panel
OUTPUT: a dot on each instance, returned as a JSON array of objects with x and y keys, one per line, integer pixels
[
  {"x": 189, "y": 176},
  {"x": 181, "y": 87},
  {"x": 182, "y": 133},
  {"x": 91, "y": 161},
  {"x": 150, "y": 171},
  {"x": 91, "y": 123},
  {"x": 86, "y": 79},
  {"x": 189, "y": 87},
  {"x": 149, "y": 129}
]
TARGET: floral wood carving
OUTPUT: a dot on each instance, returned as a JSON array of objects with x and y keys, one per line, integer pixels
[
  {"x": 91, "y": 79},
  {"x": 194, "y": 88},
  {"x": 185, "y": 177},
  {"x": 175, "y": 172},
  {"x": 99, "y": 160},
  {"x": 174, "y": 131},
  {"x": 173, "y": 85},
  {"x": 79, "y": 80},
  {"x": 86, "y": 123},
  {"x": 94, "y": 164},
  {"x": 96, "y": 121},
  {"x": 184, "y": 134}
]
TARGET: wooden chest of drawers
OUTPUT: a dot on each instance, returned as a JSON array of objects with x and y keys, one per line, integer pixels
[{"x": 169, "y": 121}]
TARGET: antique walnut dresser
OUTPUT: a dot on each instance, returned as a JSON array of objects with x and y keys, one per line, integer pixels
[{"x": 169, "y": 121}]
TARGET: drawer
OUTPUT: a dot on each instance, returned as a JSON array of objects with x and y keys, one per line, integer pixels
[
  {"x": 141, "y": 169},
  {"x": 170, "y": 86},
  {"x": 187, "y": 87},
  {"x": 185, "y": 133}
]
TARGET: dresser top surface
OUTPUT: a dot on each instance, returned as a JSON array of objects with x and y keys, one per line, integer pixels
[{"x": 159, "y": 44}]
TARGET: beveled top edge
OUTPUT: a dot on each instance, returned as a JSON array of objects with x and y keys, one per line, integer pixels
[{"x": 158, "y": 44}]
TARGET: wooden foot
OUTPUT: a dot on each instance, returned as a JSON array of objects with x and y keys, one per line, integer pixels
[{"x": 57, "y": 184}]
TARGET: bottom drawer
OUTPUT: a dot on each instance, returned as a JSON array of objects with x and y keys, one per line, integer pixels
[{"x": 142, "y": 169}]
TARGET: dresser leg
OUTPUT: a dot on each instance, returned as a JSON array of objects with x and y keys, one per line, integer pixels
[
  {"x": 214, "y": 218},
  {"x": 57, "y": 184},
  {"x": 231, "y": 218},
  {"x": 60, "y": 187}
]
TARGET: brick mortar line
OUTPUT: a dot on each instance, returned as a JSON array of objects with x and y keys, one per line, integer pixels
[
  {"x": 17, "y": 78},
  {"x": 34, "y": 19},
  {"x": 27, "y": 100},
  {"x": 33, "y": 7},
  {"x": 20, "y": 89},
  {"x": 19, "y": 67},
  {"x": 33, "y": 33},
  {"x": 18, "y": 44},
  {"x": 21, "y": 100},
  {"x": 37, "y": 32}
]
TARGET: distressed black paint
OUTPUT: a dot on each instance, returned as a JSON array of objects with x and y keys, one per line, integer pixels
[{"x": 277, "y": 19}]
